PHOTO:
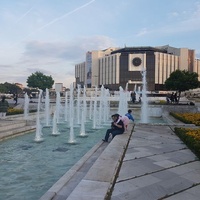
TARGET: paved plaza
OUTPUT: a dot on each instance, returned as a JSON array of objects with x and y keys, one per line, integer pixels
[
  {"x": 157, "y": 165},
  {"x": 147, "y": 164}
]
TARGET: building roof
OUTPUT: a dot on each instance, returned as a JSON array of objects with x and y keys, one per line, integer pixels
[{"x": 139, "y": 50}]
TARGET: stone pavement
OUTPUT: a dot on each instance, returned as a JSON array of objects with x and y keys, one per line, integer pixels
[
  {"x": 157, "y": 165},
  {"x": 151, "y": 163}
]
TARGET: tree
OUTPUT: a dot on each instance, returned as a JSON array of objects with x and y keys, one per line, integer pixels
[
  {"x": 3, "y": 88},
  {"x": 10, "y": 88},
  {"x": 39, "y": 80},
  {"x": 182, "y": 81}
]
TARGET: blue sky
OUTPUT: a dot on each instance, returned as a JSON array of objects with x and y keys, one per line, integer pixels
[{"x": 52, "y": 36}]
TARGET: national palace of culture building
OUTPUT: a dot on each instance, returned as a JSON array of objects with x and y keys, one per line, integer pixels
[{"x": 114, "y": 67}]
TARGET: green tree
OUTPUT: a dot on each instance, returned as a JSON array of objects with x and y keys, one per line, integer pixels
[
  {"x": 10, "y": 88},
  {"x": 182, "y": 81},
  {"x": 3, "y": 88},
  {"x": 39, "y": 80}
]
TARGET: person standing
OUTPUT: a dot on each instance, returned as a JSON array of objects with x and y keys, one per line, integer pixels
[
  {"x": 3, "y": 107},
  {"x": 133, "y": 97},
  {"x": 15, "y": 98},
  {"x": 117, "y": 128}
]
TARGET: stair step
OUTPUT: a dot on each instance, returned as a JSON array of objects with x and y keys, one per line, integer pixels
[
  {"x": 15, "y": 131},
  {"x": 9, "y": 125}
]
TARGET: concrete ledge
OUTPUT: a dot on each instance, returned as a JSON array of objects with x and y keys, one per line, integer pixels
[
  {"x": 17, "y": 131},
  {"x": 100, "y": 179}
]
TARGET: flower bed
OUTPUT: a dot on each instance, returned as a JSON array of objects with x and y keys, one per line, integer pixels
[
  {"x": 16, "y": 111},
  {"x": 191, "y": 137},
  {"x": 188, "y": 118}
]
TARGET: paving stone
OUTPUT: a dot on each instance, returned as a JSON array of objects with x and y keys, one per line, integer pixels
[
  {"x": 175, "y": 184},
  {"x": 193, "y": 176},
  {"x": 159, "y": 157},
  {"x": 183, "y": 195},
  {"x": 194, "y": 190},
  {"x": 166, "y": 163},
  {"x": 89, "y": 190},
  {"x": 164, "y": 175},
  {"x": 137, "y": 167}
]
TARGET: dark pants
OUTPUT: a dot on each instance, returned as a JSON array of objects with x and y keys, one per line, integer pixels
[{"x": 114, "y": 132}]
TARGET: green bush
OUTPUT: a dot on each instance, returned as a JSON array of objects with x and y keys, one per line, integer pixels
[
  {"x": 191, "y": 138},
  {"x": 16, "y": 111}
]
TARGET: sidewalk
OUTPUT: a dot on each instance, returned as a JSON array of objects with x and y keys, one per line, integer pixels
[
  {"x": 151, "y": 163},
  {"x": 157, "y": 165}
]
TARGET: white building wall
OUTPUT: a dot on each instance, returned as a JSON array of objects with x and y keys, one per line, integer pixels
[
  {"x": 197, "y": 67},
  {"x": 169, "y": 63},
  {"x": 160, "y": 69},
  {"x": 183, "y": 59},
  {"x": 157, "y": 56},
  {"x": 80, "y": 71},
  {"x": 176, "y": 63},
  {"x": 164, "y": 68},
  {"x": 165, "y": 64},
  {"x": 172, "y": 64}
]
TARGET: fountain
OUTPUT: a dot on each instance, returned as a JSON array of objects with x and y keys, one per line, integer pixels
[
  {"x": 95, "y": 109},
  {"x": 58, "y": 106},
  {"x": 82, "y": 132},
  {"x": 84, "y": 102},
  {"x": 78, "y": 105},
  {"x": 123, "y": 104},
  {"x": 55, "y": 127},
  {"x": 126, "y": 88},
  {"x": 26, "y": 106},
  {"x": 71, "y": 116},
  {"x": 90, "y": 112},
  {"x": 47, "y": 102},
  {"x": 66, "y": 107},
  {"x": 38, "y": 134},
  {"x": 144, "y": 108}
]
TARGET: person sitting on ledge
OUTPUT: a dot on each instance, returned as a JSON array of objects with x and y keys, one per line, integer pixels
[{"x": 117, "y": 127}]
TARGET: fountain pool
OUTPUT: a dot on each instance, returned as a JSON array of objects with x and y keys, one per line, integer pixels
[{"x": 28, "y": 169}]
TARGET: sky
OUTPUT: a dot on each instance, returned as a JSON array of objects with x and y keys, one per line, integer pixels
[{"x": 51, "y": 36}]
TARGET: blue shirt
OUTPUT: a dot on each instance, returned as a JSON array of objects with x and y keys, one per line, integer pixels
[{"x": 129, "y": 116}]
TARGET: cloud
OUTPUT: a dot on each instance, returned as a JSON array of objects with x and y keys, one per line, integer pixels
[
  {"x": 33, "y": 70},
  {"x": 71, "y": 51},
  {"x": 58, "y": 18},
  {"x": 67, "y": 14},
  {"x": 5, "y": 66}
]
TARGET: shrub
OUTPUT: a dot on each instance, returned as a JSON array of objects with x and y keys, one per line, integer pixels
[
  {"x": 191, "y": 137},
  {"x": 16, "y": 111},
  {"x": 187, "y": 118}
]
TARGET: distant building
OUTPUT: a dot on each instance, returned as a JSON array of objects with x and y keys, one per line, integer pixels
[
  {"x": 58, "y": 87},
  {"x": 116, "y": 67},
  {"x": 19, "y": 85}
]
